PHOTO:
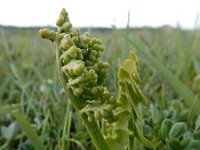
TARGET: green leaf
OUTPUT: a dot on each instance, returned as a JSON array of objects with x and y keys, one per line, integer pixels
[
  {"x": 120, "y": 143},
  {"x": 155, "y": 114},
  {"x": 184, "y": 115},
  {"x": 185, "y": 143},
  {"x": 130, "y": 88},
  {"x": 196, "y": 135},
  {"x": 11, "y": 131},
  {"x": 124, "y": 75},
  {"x": 135, "y": 94},
  {"x": 194, "y": 145},
  {"x": 177, "y": 130},
  {"x": 119, "y": 140},
  {"x": 133, "y": 57},
  {"x": 30, "y": 133},
  {"x": 131, "y": 67},
  {"x": 165, "y": 128},
  {"x": 178, "y": 86},
  {"x": 174, "y": 144}
]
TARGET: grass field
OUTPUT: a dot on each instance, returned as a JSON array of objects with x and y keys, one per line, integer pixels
[{"x": 29, "y": 79}]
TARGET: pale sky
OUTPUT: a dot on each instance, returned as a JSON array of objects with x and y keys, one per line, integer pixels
[{"x": 101, "y": 13}]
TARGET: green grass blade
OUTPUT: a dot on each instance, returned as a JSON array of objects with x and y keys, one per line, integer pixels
[
  {"x": 173, "y": 81},
  {"x": 9, "y": 108},
  {"x": 30, "y": 133}
]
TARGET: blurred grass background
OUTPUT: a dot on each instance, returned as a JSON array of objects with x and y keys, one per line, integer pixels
[{"x": 28, "y": 77}]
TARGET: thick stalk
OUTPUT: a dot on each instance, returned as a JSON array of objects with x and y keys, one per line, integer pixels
[
  {"x": 131, "y": 138},
  {"x": 131, "y": 128},
  {"x": 95, "y": 133}
]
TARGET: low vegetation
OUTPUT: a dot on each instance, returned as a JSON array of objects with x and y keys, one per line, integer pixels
[{"x": 112, "y": 111}]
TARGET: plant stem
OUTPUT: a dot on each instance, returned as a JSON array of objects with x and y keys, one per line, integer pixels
[
  {"x": 131, "y": 138},
  {"x": 95, "y": 133}
]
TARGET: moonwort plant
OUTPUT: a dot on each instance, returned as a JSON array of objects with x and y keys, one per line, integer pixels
[
  {"x": 111, "y": 122},
  {"x": 116, "y": 123}
]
